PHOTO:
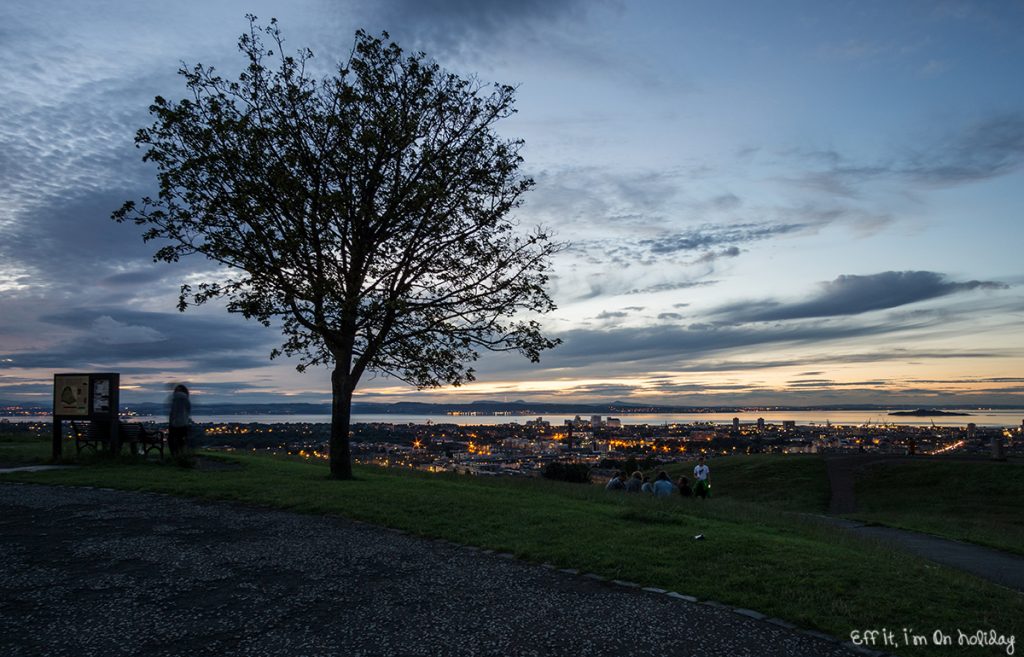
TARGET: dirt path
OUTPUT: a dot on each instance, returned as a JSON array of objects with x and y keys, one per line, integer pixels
[{"x": 842, "y": 477}]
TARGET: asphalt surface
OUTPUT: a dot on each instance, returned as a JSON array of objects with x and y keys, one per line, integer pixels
[
  {"x": 101, "y": 572},
  {"x": 1003, "y": 568}
]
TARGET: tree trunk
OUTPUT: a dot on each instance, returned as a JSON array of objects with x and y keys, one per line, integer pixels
[{"x": 341, "y": 418}]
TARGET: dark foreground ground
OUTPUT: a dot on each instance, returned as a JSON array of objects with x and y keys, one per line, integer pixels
[{"x": 98, "y": 572}]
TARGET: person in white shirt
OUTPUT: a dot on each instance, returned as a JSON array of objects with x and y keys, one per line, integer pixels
[{"x": 703, "y": 476}]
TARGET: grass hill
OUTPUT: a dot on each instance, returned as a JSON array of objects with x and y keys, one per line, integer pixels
[
  {"x": 974, "y": 501},
  {"x": 756, "y": 553}
]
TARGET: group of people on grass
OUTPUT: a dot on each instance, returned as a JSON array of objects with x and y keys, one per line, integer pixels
[{"x": 662, "y": 485}]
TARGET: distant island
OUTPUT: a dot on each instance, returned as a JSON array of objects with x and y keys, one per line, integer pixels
[{"x": 925, "y": 412}]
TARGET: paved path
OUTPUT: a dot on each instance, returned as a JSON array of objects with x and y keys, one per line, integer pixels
[
  {"x": 1002, "y": 568},
  {"x": 97, "y": 572},
  {"x": 34, "y": 468}
]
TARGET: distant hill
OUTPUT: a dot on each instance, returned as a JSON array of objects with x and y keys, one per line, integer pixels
[{"x": 517, "y": 407}]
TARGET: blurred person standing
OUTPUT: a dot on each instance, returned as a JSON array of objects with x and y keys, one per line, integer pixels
[{"x": 180, "y": 419}]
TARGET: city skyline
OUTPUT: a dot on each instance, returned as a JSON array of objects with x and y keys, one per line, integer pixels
[{"x": 795, "y": 205}]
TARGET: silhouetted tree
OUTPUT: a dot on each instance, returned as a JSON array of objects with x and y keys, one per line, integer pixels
[
  {"x": 366, "y": 211},
  {"x": 576, "y": 473}
]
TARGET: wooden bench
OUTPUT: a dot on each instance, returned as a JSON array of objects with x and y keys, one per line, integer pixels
[
  {"x": 94, "y": 435},
  {"x": 88, "y": 435},
  {"x": 141, "y": 439}
]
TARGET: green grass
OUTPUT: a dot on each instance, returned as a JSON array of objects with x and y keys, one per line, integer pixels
[
  {"x": 788, "y": 482},
  {"x": 755, "y": 555},
  {"x": 980, "y": 502},
  {"x": 25, "y": 448}
]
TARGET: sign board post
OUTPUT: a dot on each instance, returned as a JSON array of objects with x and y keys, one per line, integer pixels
[{"x": 93, "y": 397}]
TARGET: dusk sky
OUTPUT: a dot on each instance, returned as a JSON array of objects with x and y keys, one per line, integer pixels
[{"x": 767, "y": 203}]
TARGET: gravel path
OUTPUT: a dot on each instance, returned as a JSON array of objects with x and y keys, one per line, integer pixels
[{"x": 101, "y": 572}]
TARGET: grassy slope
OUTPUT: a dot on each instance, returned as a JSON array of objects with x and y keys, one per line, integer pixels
[
  {"x": 792, "y": 483},
  {"x": 24, "y": 448},
  {"x": 754, "y": 556},
  {"x": 979, "y": 502}
]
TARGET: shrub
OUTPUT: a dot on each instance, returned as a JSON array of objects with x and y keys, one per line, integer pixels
[{"x": 576, "y": 473}]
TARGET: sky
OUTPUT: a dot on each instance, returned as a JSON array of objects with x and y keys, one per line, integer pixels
[{"x": 799, "y": 203}]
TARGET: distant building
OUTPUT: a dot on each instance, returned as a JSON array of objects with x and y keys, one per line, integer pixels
[
  {"x": 595, "y": 421},
  {"x": 971, "y": 428},
  {"x": 736, "y": 425},
  {"x": 614, "y": 423},
  {"x": 788, "y": 425},
  {"x": 760, "y": 424}
]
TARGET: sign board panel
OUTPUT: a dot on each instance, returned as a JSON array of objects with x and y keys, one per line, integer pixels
[
  {"x": 71, "y": 395},
  {"x": 93, "y": 397},
  {"x": 86, "y": 396},
  {"x": 101, "y": 396}
]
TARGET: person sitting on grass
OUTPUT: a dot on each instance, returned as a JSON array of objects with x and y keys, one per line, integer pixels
[
  {"x": 663, "y": 485},
  {"x": 684, "y": 487},
  {"x": 635, "y": 483},
  {"x": 648, "y": 487},
  {"x": 703, "y": 475},
  {"x": 617, "y": 482}
]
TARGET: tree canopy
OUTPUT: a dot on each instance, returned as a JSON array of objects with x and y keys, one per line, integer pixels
[{"x": 366, "y": 212}]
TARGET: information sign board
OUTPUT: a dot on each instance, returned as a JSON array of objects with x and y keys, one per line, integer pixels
[
  {"x": 81, "y": 396},
  {"x": 71, "y": 395},
  {"x": 92, "y": 397}
]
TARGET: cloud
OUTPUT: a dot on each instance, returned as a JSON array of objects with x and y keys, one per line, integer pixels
[
  {"x": 135, "y": 278},
  {"x": 704, "y": 237},
  {"x": 989, "y": 148},
  {"x": 669, "y": 316},
  {"x": 491, "y": 30},
  {"x": 853, "y": 295},
  {"x": 154, "y": 342},
  {"x": 826, "y": 384},
  {"x": 671, "y": 344},
  {"x": 620, "y": 201},
  {"x": 449, "y": 24},
  {"x": 668, "y": 287},
  {"x": 740, "y": 365},
  {"x": 108, "y": 330},
  {"x": 727, "y": 201},
  {"x": 984, "y": 149},
  {"x": 70, "y": 250},
  {"x": 711, "y": 256}
]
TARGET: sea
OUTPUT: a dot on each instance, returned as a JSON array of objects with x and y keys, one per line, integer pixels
[{"x": 981, "y": 418}]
